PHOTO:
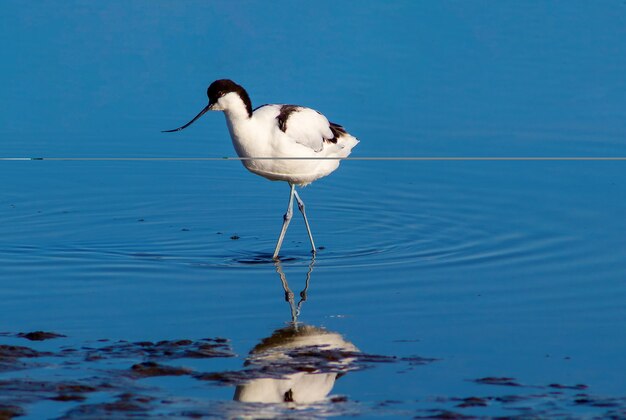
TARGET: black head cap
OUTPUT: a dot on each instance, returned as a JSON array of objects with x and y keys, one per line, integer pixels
[{"x": 221, "y": 87}]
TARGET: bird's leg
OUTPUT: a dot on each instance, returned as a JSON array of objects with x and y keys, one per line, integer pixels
[
  {"x": 286, "y": 220},
  {"x": 306, "y": 222}
]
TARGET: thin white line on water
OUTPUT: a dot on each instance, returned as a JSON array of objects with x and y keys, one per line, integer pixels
[{"x": 372, "y": 158}]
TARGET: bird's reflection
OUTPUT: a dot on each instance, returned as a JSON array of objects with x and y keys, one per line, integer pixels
[
  {"x": 299, "y": 363},
  {"x": 289, "y": 296}
]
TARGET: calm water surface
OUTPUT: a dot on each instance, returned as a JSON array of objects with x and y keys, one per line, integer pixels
[{"x": 443, "y": 288}]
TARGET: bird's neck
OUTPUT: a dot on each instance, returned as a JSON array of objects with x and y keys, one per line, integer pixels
[
  {"x": 237, "y": 120},
  {"x": 237, "y": 107},
  {"x": 237, "y": 114},
  {"x": 240, "y": 126}
]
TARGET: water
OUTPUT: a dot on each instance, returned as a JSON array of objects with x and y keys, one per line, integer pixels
[{"x": 440, "y": 273}]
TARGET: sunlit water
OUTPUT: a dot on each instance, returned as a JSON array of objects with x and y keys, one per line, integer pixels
[{"x": 441, "y": 272}]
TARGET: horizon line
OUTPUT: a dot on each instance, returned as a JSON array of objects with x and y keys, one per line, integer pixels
[{"x": 357, "y": 158}]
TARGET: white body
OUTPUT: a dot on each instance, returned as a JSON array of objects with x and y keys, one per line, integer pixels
[
  {"x": 306, "y": 136},
  {"x": 279, "y": 142}
]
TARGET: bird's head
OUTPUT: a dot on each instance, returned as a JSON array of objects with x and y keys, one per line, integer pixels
[{"x": 224, "y": 95}]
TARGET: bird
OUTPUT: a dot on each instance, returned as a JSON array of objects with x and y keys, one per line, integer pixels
[{"x": 290, "y": 143}]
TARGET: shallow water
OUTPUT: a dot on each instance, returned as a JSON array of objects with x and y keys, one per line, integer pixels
[{"x": 437, "y": 279}]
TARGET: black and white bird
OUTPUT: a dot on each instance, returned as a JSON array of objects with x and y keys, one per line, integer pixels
[{"x": 277, "y": 134}]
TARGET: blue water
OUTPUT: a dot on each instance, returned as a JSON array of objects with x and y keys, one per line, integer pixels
[{"x": 494, "y": 268}]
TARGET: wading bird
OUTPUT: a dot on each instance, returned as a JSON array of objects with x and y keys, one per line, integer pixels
[{"x": 288, "y": 143}]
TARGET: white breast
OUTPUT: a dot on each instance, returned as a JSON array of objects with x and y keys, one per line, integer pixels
[{"x": 287, "y": 131}]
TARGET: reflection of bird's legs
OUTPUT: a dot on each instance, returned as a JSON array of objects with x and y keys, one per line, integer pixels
[
  {"x": 306, "y": 221},
  {"x": 303, "y": 295},
  {"x": 288, "y": 292},
  {"x": 286, "y": 220},
  {"x": 295, "y": 309}
]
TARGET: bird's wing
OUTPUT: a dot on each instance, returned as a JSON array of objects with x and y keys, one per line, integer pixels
[{"x": 305, "y": 126}]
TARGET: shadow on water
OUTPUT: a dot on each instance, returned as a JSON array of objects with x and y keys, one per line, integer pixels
[{"x": 260, "y": 259}]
